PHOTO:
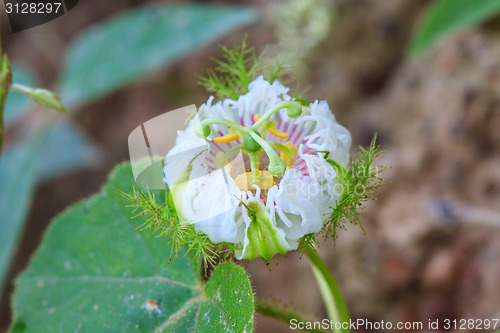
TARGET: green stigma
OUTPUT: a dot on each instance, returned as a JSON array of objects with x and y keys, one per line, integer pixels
[
  {"x": 253, "y": 142},
  {"x": 250, "y": 142}
]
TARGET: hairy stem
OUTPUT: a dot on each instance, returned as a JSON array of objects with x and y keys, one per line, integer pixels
[
  {"x": 332, "y": 297},
  {"x": 5, "y": 82},
  {"x": 283, "y": 314}
]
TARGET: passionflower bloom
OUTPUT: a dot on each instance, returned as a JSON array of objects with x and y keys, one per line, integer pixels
[{"x": 253, "y": 171}]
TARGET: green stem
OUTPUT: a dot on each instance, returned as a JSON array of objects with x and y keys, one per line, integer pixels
[
  {"x": 20, "y": 88},
  {"x": 5, "y": 82},
  {"x": 276, "y": 166},
  {"x": 266, "y": 126},
  {"x": 332, "y": 297},
  {"x": 284, "y": 314},
  {"x": 282, "y": 105},
  {"x": 254, "y": 165},
  {"x": 211, "y": 121},
  {"x": 282, "y": 148}
]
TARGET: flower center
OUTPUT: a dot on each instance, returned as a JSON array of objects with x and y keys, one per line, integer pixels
[{"x": 254, "y": 144}]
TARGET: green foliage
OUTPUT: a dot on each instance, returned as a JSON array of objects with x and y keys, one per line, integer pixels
[
  {"x": 446, "y": 16},
  {"x": 359, "y": 184},
  {"x": 95, "y": 272},
  {"x": 31, "y": 159},
  {"x": 5, "y": 81},
  {"x": 231, "y": 77},
  {"x": 17, "y": 182},
  {"x": 161, "y": 219},
  {"x": 49, "y": 151},
  {"x": 41, "y": 96},
  {"x": 100, "y": 61},
  {"x": 238, "y": 68},
  {"x": 17, "y": 105},
  {"x": 308, "y": 241}
]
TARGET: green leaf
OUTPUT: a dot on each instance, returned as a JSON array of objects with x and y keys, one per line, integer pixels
[
  {"x": 50, "y": 152},
  {"x": 53, "y": 150},
  {"x": 41, "y": 96},
  {"x": 120, "y": 50},
  {"x": 446, "y": 16},
  {"x": 17, "y": 182},
  {"x": 94, "y": 272},
  {"x": 17, "y": 105}
]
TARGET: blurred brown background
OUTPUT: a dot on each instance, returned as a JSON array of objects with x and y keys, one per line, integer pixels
[{"x": 432, "y": 243}]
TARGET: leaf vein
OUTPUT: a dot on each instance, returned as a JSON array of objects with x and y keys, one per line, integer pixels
[
  {"x": 179, "y": 313},
  {"x": 89, "y": 278}
]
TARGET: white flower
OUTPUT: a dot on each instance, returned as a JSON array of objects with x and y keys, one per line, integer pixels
[{"x": 279, "y": 187}]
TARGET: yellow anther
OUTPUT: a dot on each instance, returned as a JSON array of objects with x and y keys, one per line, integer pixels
[
  {"x": 256, "y": 118},
  {"x": 276, "y": 132},
  {"x": 289, "y": 160},
  {"x": 245, "y": 181},
  {"x": 226, "y": 138},
  {"x": 273, "y": 130}
]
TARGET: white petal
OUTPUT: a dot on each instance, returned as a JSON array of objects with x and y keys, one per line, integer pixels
[
  {"x": 214, "y": 206},
  {"x": 187, "y": 146},
  {"x": 298, "y": 204},
  {"x": 328, "y": 134}
]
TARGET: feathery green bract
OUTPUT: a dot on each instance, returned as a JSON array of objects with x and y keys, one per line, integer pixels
[
  {"x": 231, "y": 77},
  {"x": 359, "y": 184},
  {"x": 162, "y": 220},
  {"x": 239, "y": 67}
]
